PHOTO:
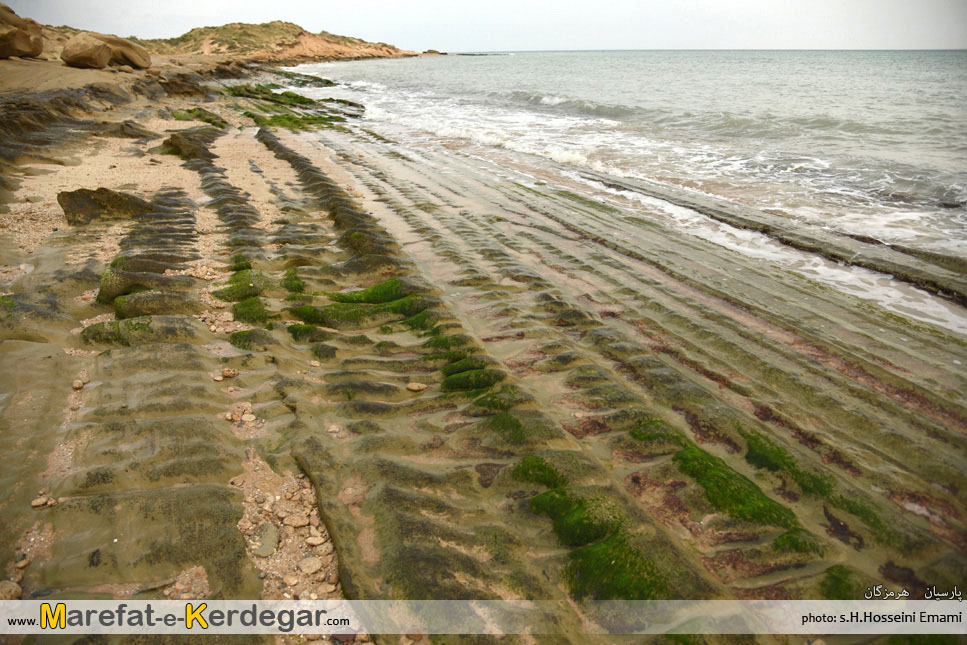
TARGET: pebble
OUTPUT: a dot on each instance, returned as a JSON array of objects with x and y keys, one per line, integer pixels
[
  {"x": 40, "y": 501},
  {"x": 228, "y": 416},
  {"x": 314, "y": 363},
  {"x": 22, "y": 564},
  {"x": 333, "y": 578},
  {"x": 268, "y": 535},
  {"x": 310, "y": 565},
  {"x": 78, "y": 384},
  {"x": 10, "y": 590},
  {"x": 296, "y": 520},
  {"x": 248, "y": 417},
  {"x": 327, "y": 588},
  {"x": 75, "y": 407},
  {"x": 326, "y": 548},
  {"x": 416, "y": 387},
  {"x": 291, "y": 580},
  {"x": 217, "y": 377},
  {"x": 229, "y": 372},
  {"x": 314, "y": 540}
]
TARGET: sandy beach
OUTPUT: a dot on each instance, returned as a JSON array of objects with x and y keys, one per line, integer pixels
[{"x": 303, "y": 364}]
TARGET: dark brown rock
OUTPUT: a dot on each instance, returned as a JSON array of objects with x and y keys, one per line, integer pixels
[
  {"x": 185, "y": 148},
  {"x": 83, "y": 205},
  {"x": 19, "y": 36}
]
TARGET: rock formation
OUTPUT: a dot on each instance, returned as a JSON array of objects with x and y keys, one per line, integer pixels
[
  {"x": 18, "y": 36},
  {"x": 88, "y": 49}
]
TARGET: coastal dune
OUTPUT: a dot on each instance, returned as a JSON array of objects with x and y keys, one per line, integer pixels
[{"x": 282, "y": 356}]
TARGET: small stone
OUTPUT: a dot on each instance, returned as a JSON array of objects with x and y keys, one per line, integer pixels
[
  {"x": 51, "y": 502},
  {"x": 333, "y": 578},
  {"x": 326, "y": 549},
  {"x": 416, "y": 387},
  {"x": 217, "y": 377},
  {"x": 314, "y": 363},
  {"x": 75, "y": 407},
  {"x": 229, "y": 372},
  {"x": 268, "y": 535},
  {"x": 291, "y": 580},
  {"x": 327, "y": 588},
  {"x": 260, "y": 499},
  {"x": 310, "y": 565},
  {"x": 10, "y": 590},
  {"x": 248, "y": 417},
  {"x": 314, "y": 541},
  {"x": 296, "y": 520},
  {"x": 211, "y": 328},
  {"x": 228, "y": 416},
  {"x": 40, "y": 501},
  {"x": 78, "y": 384},
  {"x": 314, "y": 520},
  {"x": 22, "y": 564}
]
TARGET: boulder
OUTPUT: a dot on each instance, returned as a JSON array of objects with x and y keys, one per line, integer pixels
[
  {"x": 83, "y": 205},
  {"x": 19, "y": 36},
  {"x": 89, "y": 49},
  {"x": 84, "y": 50},
  {"x": 125, "y": 52}
]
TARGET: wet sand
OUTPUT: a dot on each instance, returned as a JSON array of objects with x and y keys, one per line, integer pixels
[{"x": 603, "y": 395}]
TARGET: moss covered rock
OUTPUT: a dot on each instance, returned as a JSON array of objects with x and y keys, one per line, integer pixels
[{"x": 147, "y": 303}]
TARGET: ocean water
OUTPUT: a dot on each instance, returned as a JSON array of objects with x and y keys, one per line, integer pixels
[
  {"x": 868, "y": 142},
  {"x": 864, "y": 143}
]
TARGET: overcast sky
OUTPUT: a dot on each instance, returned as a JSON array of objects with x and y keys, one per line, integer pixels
[{"x": 494, "y": 25}]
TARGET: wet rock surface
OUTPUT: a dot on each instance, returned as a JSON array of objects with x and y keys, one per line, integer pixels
[{"x": 378, "y": 379}]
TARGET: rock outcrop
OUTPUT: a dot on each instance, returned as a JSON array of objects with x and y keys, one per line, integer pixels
[
  {"x": 88, "y": 49},
  {"x": 83, "y": 205},
  {"x": 19, "y": 36},
  {"x": 84, "y": 50}
]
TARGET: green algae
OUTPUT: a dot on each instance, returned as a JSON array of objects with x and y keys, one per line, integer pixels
[
  {"x": 240, "y": 263},
  {"x": 388, "y": 291},
  {"x": 839, "y": 583},
  {"x": 291, "y": 282},
  {"x": 506, "y": 398},
  {"x": 251, "y": 310},
  {"x": 536, "y": 470},
  {"x": 323, "y": 351},
  {"x": 508, "y": 427},
  {"x": 242, "y": 285},
  {"x": 466, "y": 364},
  {"x": 764, "y": 453},
  {"x": 614, "y": 569},
  {"x": 798, "y": 540},
  {"x": 200, "y": 114},
  {"x": 346, "y": 315},
  {"x": 251, "y": 339},
  {"x": 869, "y": 516},
  {"x": 731, "y": 492},
  {"x": 453, "y": 341},
  {"x": 423, "y": 320},
  {"x": 294, "y": 121},
  {"x": 578, "y": 520},
  {"x": 472, "y": 380},
  {"x": 657, "y": 430},
  {"x": 265, "y": 93}
]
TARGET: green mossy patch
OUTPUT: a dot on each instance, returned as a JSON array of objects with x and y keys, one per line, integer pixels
[
  {"x": 869, "y": 516},
  {"x": 506, "y": 398},
  {"x": 242, "y": 285},
  {"x": 251, "y": 339},
  {"x": 578, "y": 521},
  {"x": 536, "y": 470},
  {"x": 392, "y": 289},
  {"x": 453, "y": 341},
  {"x": 294, "y": 121},
  {"x": 798, "y": 540},
  {"x": 344, "y": 315},
  {"x": 614, "y": 569},
  {"x": 200, "y": 114},
  {"x": 475, "y": 362},
  {"x": 508, "y": 427},
  {"x": 764, "y": 453},
  {"x": 730, "y": 492},
  {"x": 839, "y": 583},
  {"x": 423, "y": 320},
  {"x": 265, "y": 93},
  {"x": 323, "y": 351},
  {"x": 251, "y": 310},
  {"x": 447, "y": 357},
  {"x": 291, "y": 282},
  {"x": 472, "y": 380},
  {"x": 240, "y": 263},
  {"x": 309, "y": 333}
]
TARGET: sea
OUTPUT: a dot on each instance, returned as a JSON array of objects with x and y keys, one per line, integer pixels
[{"x": 870, "y": 143}]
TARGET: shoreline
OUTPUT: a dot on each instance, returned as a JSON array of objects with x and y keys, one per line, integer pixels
[{"x": 631, "y": 384}]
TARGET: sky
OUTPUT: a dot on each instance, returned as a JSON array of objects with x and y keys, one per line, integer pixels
[{"x": 516, "y": 25}]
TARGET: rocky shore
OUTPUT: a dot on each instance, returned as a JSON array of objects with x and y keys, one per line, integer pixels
[{"x": 252, "y": 349}]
